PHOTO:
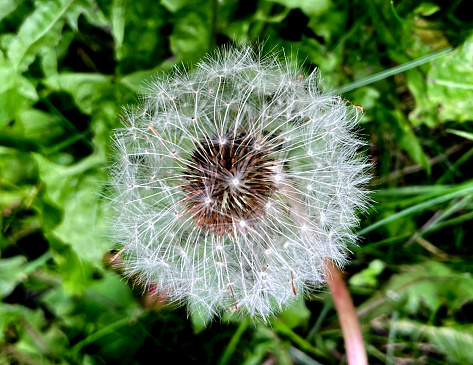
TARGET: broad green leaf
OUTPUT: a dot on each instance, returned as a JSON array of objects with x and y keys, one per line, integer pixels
[
  {"x": 90, "y": 10},
  {"x": 137, "y": 80},
  {"x": 409, "y": 142},
  {"x": 7, "y": 6},
  {"x": 175, "y": 5},
  {"x": 296, "y": 314},
  {"x": 308, "y": 7},
  {"x": 453, "y": 341},
  {"x": 39, "y": 32},
  {"x": 447, "y": 90},
  {"x": 75, "y": 272},
  {"x": 145, "y": 37},
  {"x": 37, "y": 339},
  {"x": 87, "y": 89},
  {"x": 49, "y": 64},
  {"x": 36, "y": 126},
  {"x": 190, "y": 38},
  {"x": 402, "y": 133},
  {"x": 265, "y": 341},
  {"x": 369, "y": 276},
  {"x": 429, "y": 284},
  {"x": 11, "y": 274},
  {"x": 14, "y": 270},
  {"x": 75, "y": 191},
  {"x": 15, "y": 313},
  {"x": 16, "y": 92}
]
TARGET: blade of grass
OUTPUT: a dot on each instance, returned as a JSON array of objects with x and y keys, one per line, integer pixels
[
  {"x": 301, "y": 358},
  {"x": 112, "y": 327},
  {"x": 392, "y": 335},
  {"x": 393, "y": 71},
  {"x": 326, "y": 308},
  {"x": 231, "y": 347},
  {"x": 454, "y": 168},
  {"x": 462, "y": 190},
  {"x": 302, "y": 343}
]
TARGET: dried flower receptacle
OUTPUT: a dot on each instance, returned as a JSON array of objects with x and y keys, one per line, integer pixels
[{"x": 234, "y": 182}]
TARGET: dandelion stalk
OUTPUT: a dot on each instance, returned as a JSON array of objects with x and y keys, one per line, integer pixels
[{"x": 354, "y": 345}]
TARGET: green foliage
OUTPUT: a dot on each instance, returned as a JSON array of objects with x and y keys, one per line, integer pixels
[
  {"x": 444, "y": 94},
  {"x": 66, "y": 67}
]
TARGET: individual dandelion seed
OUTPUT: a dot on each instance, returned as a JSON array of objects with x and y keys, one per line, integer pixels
[{"x": 234, "y": 183}]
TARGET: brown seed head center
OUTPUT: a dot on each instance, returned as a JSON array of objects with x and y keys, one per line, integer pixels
[{"x": 228, "y": 181}]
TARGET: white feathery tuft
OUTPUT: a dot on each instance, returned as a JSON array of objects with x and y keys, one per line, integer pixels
[{"x": 234, "y": 183}]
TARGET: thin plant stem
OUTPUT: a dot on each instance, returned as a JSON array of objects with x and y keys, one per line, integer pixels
[
  {"x": 354, "y": 345},
  {"x": 231, "y": 347},
  {"x": 393, "y": 71}
]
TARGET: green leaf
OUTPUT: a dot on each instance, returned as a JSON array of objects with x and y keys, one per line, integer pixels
[
  {"x": 453, "y": 341},
  {"x": 368, "y": 277},
  {"x": 16, "y": 269},
  {"x": 118, "y": 26},
  {"x": 174, "y": 5},
  {"x": 137, "y": 80},
  {"x": 36, "y": 126},
  {"x": 466, "y": 135},
  {"x": 409, "y": 142},
  {"x": 446, "y": 92},
  {"x": 39, "y": 32},
  {"x": 145, "y": 39},
  {"x": 11, "y": 274},
  {"x": 308, "y": 7},
  {"x": 90, "y": 10},
  {"x": 75, "y": 191},
  {"x": 403, "y": 134},
  {"x": 429, "y": 284},
  {"x": 190, "y": 38},
  {"x": 8, "y": 6},
  {"x": 297, "y": 314},
  {"x": 16, "y": 92},
  {"x": 87, "y": 89}
]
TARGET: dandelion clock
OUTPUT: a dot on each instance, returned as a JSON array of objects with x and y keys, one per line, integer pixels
[{"x": 234, "y": 184}]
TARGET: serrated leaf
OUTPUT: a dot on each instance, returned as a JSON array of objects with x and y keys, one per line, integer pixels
[
  {"x": 175, "y": 5},
  {"x": 446, "y": 93},
  {"x": 8, "y": 6},
  {"x": 16, "y": 269},
  {"x": 36, "y": 126},
  {"x": 40, "y": 31},
  {"x": 75, "y": 191},
  {"x": 454, "y": 342},
  {"x": 90, "y": 10},
  {"x": 11, "y": 274},
  {"x": 308, "y": 7},
  {"x": 428, "y": 284},
  {"x": 87, "y": 89},
  {"x": 190, "y": 38}
]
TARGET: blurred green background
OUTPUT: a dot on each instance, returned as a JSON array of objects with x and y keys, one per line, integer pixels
[{"x": 66, "y": 68}]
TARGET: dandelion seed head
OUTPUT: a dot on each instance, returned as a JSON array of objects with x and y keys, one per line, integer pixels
[{"x": 233, "y": 183}]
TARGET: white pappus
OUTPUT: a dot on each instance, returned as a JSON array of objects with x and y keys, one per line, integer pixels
[{"x": 233, "y": 183}]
